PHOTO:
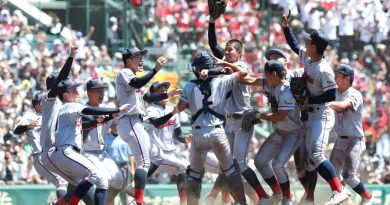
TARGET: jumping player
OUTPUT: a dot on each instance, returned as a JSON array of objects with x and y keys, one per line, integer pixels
[{"x": 318, "y": 116}]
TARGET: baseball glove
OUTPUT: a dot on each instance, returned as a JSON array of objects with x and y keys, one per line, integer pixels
[
  {"x": 249, "y": 120},
  {"x": 216, "y": 8},
  {"x": 298, "y": 89}
]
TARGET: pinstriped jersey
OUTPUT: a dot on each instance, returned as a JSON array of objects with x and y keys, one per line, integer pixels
[
  {"x": 349, "y": 122},
  {"x": 69, "y": 131},
  {"x": 127, "y": 94},
  {"x": 319, "y": 75},
  {"x": 286, "y": 101},
  {"x": 192, "y": 95},
  {"x": 239, "y": 101},
  {"x": 50, "y": 110},
  {"x": 33, "y": 135},
  {"x": 162, "y": 136}
]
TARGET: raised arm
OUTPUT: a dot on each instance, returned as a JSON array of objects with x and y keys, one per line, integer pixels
[
  {"x": 65, "y": 70},
  {"x": 290, "y": 38},
  {"x": 139, "y": 82},
  {"x": 217, "y": 51}
]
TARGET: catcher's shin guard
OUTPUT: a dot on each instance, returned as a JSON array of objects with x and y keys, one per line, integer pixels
[
  {"x": 235, "y": 183},
  {"x": 194, "y": 186}
]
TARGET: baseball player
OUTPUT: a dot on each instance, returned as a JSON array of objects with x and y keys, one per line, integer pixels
[
  {"x": 237, "y": 102},
  {"x": 317, "y": 115},
  {"x": 350, "y": 142},
  {"x": 50, "y": 108},
  {"x": 68, "y": 144},
  {"x": 31, "y": 125},
  {"x": 163, "y": 128},
  {"x": 204, "y": 98},
  {"x": 95, "y": 128},
  {"x": 129, "y": 89},
  {"x": 307, "y": 178},
  {"x": 285, "y": 139}
]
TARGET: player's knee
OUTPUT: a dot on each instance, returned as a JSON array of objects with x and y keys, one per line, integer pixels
[
  {"x": 232, "y": 170},
  {"x": 193, "y": 175},
  {"x": 277, "y": 165},
  {"x": 99, "y": 180},
  {"x": 242, "y": 167},
  {"x": 117, "y": 181}
]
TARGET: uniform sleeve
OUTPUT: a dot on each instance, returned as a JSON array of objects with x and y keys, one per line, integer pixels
[
  {"x": 227, "y": 81},
  {"x": 152, "y": 113},
  {"x": 286, "y": 100},
  {"x": 125, "y": 77},
  {"x": 185, "y": 94},
  {"x": 327, "y": 81},
  {"x": 356, "y": 100}
]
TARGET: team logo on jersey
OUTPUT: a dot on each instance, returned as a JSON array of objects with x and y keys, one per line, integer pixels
[{"x": 168, "y": 123}]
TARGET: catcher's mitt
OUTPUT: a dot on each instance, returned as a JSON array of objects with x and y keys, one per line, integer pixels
[
  {"x": 249, "y": 120},
  {"x": 298, "y": 89},
  {"x": 216, "y": 8}
]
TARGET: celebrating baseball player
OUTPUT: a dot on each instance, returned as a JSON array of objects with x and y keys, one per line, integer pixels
[
  {"x": 317, "y": 114},
  {"x": 31, "y": 125},
  {"x": 95, "y": 128},
  {"x": 204, "y": 98},
  {"x": 283, "y": 142},
  {"x": 129, "y": 89},
  {"x": 237, "y": 101},
  {"x": 68, "y": 143},
  {"x": 50, "y": 108},
  {"x": 350, "y": 142}
]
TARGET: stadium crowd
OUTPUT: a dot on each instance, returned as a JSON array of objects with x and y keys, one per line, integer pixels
[{"x": 359, "y": 35}]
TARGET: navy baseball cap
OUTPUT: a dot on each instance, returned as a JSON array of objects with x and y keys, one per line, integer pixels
[
  {"x": 275, "y": 51},
  {"x": 66, "y": 85},
  {"x": 203, "y": 60},
  {"x": 37, "y": 98},
  {"x": 318, "y": 38},
  {"x": 134, "y": 51},
  {"x": 95, "y": 84},
  {"x": 273, "y": 65},
  {"x": 51, "y": 78},
  {"x": 157, "y": 85},
  {"x": 346, "y": 70}
]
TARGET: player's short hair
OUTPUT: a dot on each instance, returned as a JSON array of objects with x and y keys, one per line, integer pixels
[{"x": 237, "y": 44}]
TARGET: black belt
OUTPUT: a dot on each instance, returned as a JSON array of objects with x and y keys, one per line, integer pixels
[
  {"x": 75, "y": 148},
  {"x": 217, "y": 126},
  {"x": 346, "y": 137},
  {"x": 235, "y": 116}
]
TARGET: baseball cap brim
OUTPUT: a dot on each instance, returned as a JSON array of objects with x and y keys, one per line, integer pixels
[
  {"x": 154, "y": 87},
  {"x": 306, "y": 36},
  {"x": 74, "y": 86},
  {"x": 141, "y": 52},
  {"x": 274, "y": 51}
]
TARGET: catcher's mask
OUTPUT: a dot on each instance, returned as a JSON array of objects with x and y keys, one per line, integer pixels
[{"x": 202, "y": 61}]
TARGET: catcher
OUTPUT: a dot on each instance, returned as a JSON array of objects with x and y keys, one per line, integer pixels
[{"x": 285, "y": 117}]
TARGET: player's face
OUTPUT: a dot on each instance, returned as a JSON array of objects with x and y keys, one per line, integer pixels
[
  {"x": 71, "y": 95},
  {"x": 231, "y": 54},
  {"x": 161, "y": 90},
  {"x": 342, "y": 80},
  {"x": 136, "y": 63},
  {"x": 270, "y": 77},
  {"x": 96, "y": 96},
  {"x": 38, "y": 107},
  {"x": 310, "y": 48}
]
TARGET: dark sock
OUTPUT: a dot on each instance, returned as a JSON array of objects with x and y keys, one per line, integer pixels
[
  {"x": 327, "y": 171},
  {"x": 251, "y": 178},
  {"x": 100, "y": 196},
  {"x": 153, "y": 167}
]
